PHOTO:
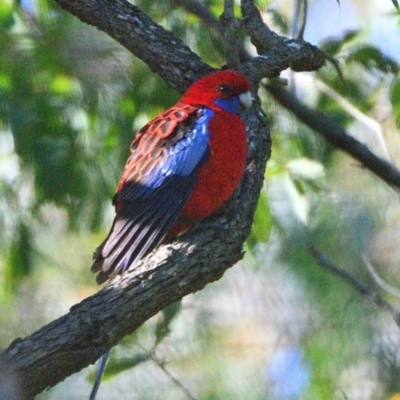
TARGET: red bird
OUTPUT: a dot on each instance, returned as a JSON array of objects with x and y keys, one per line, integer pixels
[{"x": 184, "y": 165}]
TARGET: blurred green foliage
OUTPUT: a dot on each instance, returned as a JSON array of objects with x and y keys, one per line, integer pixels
[{"x": 70, "y": 102}]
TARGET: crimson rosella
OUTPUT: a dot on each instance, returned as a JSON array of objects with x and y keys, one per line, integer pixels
[{"x": 184, "y": 165}]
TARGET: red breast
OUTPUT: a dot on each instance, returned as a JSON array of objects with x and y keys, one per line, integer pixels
[{"x": 221, "y": 174}]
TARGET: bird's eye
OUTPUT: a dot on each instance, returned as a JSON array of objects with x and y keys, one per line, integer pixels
[{"x": 225, "y": 89}]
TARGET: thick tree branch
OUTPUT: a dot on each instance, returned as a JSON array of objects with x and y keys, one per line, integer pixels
[
  {"x": 266, "y": 42},
  {"x": 168, "y": 56},
  {"x": 201, "y": 256}
]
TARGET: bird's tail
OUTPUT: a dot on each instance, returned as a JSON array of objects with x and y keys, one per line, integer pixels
[{"x": 101, "y": 367}]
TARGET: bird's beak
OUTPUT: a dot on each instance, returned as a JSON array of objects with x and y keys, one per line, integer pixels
[{"x": 246, "y": 99}]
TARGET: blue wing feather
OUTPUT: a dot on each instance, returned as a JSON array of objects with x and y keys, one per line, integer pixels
[
  {"x": 178, "y": 160},
  {"x": 157, "y": 187}
]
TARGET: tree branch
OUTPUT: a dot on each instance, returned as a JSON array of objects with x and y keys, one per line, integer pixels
[
  {"x": 203, "y": 13},
  {"x": 302, "y": 56},
  {"x": 79, "y": 338},
  {"x": 266, "y": 40},
  {"x": 356, "y": 284},
  {"x": 336, "y": 135},
  {"x": 172, "y": 59},
  {"x": 202, "y": 255},
  {"x": 231, "y": 27}
]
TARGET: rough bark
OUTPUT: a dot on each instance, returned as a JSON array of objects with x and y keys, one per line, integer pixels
[
  {"x": 79, "y": 338},
  {"x": 281, "y": 53}
]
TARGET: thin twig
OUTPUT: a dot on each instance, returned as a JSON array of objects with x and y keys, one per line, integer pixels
[
  {"x": 383, "y": 284},
  {"x": 355, "y": 283},
  {"x": 170, "y": 376},
  {"x": 336, "y": 65},
  {"x": 295, "y": 18},
  {"x": 300, "y": 35}
]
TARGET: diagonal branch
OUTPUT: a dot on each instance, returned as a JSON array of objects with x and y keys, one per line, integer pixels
[
  {"x": 168, "y": 56},
  {"x": 265, "y": 40},
  {"x": 356, "y": 284},
  {"x": 79, "y": 338},
  {"x": 336, "y": 135}
]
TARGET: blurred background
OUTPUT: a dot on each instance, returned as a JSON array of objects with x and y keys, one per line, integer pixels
[{"x": 276, "y": 326}]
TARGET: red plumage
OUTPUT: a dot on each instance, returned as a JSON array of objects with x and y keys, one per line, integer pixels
[
  {"x": 184, "y": 165},
  {"x": 219, "y": 177}
]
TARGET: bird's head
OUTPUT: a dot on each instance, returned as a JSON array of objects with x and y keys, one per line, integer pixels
[{"x": 227, "y": 89}]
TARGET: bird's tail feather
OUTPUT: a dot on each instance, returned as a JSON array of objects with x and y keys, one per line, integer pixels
[{"x": 101, "y": 367}]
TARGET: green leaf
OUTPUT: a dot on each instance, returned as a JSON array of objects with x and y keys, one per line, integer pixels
[
  {"x": 116, "y": 366},
  {"x": 279, "y": 19},
  {"x": 396, "y": 4},
  {"x": 6, "y": 15},
  {"x": 333, "y": 46},
  {"x": 20, "y": 260},
  {"x": 168, "y": 314},
  {"x": 395, "y": 99},
  {"x": 262, "y": 224},
  {"x": 304, "y": 168},
  {"x": 372, "y": 58}
]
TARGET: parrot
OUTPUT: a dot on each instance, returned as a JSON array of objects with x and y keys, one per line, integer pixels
[{"x": 184, "y": 165}]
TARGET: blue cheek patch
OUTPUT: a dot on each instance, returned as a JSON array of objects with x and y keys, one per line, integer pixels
[{"x": 231, "y": 105}]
